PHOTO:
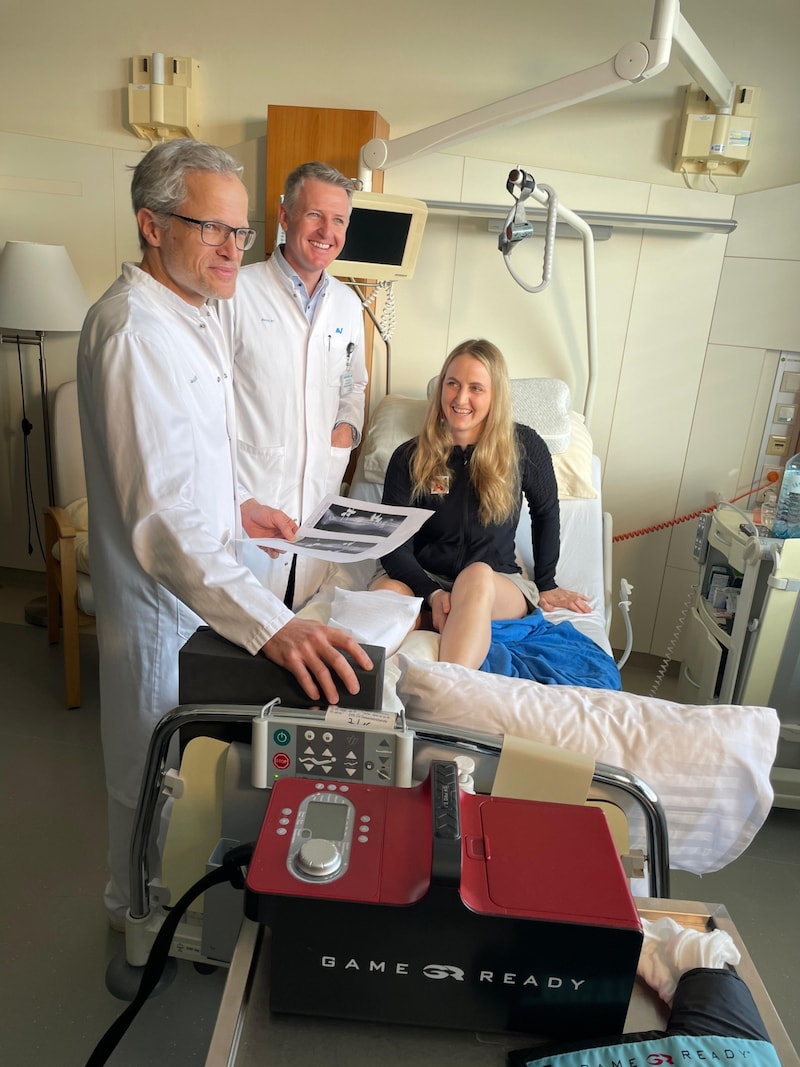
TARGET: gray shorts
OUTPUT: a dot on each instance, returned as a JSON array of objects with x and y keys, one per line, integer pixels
[{"x": 528, "y": 588}]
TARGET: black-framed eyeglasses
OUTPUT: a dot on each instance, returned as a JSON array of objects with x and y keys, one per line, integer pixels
[{"x": 217, "y": 233}]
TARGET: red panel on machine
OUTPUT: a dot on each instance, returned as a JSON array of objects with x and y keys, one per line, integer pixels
[{"x": 554, "y": 861}]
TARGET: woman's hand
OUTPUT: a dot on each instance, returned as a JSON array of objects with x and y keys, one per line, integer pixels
[
  {"x": 564, "y": 598},
  {"x": 439, "y": 602}
]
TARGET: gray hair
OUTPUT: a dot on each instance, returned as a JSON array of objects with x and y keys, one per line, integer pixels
[
  {"x": 320, "y": 172},
  {"x": 159, "y": 180}
]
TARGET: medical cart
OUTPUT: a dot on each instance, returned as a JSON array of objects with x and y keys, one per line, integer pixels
[
  {"x": 743, "y": 635},
  {"x": 247, "y": 1034}
]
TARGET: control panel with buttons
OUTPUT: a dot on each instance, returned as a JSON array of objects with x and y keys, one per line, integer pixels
[{"x": 300, "y": 746}]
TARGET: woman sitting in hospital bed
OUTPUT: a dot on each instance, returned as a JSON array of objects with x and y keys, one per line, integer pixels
[{"x": 471, "y": 465}]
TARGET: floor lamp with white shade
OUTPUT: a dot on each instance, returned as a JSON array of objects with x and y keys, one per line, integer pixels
[{"x": 40, "y": 293}]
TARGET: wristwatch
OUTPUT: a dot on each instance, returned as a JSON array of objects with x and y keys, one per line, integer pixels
[{"x": 353, "y": 430}]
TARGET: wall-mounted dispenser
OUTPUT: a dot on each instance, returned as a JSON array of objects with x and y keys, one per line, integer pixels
[{"x": 163, "y": 97}]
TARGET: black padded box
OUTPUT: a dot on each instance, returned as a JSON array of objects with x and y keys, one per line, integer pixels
[{"x": 215, "y": 671}]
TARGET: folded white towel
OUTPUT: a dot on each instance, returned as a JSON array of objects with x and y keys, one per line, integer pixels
[
  {"x": 376, "y": 618},
  {"x": 669, "y": 950}
]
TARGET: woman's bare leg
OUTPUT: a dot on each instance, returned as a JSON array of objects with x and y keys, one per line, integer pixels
[{"x": 478, "y": 595}]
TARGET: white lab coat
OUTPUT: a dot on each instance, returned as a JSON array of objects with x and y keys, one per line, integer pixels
[
  {"x": 157, "y": 424},
  {"x": 288, "y": 388}
]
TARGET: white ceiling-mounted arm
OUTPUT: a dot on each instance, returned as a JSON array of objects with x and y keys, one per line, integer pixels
[
  {"x": 635, "y": 62},
  {"x": 380, "y": 154},
  {"x": 694, "y": 55}
]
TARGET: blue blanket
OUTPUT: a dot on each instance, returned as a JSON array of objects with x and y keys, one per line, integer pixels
[{"x": 552, "y": 653}]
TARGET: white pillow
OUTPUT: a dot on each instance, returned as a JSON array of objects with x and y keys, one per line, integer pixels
[
  {"x": 396, "y": 419},
  {"x": 543, "y": 403},
  {"x": 574, "y": 466}
]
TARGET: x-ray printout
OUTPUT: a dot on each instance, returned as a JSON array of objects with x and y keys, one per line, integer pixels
[{"x": 344, "y": 530}]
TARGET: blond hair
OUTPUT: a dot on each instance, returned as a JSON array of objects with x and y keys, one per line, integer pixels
[{"x": 494, "y": 466}]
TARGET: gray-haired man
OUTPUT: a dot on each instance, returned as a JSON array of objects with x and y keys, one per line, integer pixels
[{"x": 158, "y": 430}]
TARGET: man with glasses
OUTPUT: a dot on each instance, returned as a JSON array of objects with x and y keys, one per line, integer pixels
[
  {"x": 159, "y": 438},
  {"x": 299, "y": 370}
]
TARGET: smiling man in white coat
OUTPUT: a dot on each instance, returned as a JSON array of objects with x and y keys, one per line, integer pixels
[
  {"x": 299, "y": 368},
  {"x": 165, "y": 507}
]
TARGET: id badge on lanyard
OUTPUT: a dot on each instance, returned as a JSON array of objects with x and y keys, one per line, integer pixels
[{"x": 346, "y": 383}]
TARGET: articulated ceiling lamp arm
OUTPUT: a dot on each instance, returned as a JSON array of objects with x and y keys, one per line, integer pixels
[{"x": 634, "y": 62}]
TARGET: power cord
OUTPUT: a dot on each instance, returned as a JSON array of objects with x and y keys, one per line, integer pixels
[
  {"x": 386, "y": 326},
  {"x": 771, "y": 479},
  {"x": 232, "y": 869},
  {"x": 665, "y": 662},
  {"x": 625, "y": 590},
  {"x": 30, "y": 502}
]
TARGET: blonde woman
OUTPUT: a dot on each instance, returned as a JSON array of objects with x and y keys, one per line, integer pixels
[{"x": 472, "y": 464}]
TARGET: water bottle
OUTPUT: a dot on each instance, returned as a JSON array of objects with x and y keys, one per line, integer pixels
[{"x": 787, "y": 510}]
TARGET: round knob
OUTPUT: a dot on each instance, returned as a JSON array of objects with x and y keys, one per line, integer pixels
[
  {"x": 318, "y": 858},
  {"x": 465, "y": 764}
]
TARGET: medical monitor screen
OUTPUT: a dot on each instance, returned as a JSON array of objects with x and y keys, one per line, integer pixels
[
  {"x": 376, "y": 237},
  {"x": 383, "y": 238}
]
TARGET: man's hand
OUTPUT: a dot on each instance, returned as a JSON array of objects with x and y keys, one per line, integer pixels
[
  {"x": 259, "y": 520},
  {"x": 564, "y": 598},
  {"x": 342, "y": 436},
  {"x": 310, "y": 651}
]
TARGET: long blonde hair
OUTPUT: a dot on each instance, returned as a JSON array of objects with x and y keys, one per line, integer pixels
[{"x": 494, "y": 466}]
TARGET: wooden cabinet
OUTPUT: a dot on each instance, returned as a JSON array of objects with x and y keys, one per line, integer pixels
[{"x": 297, "y": 135}]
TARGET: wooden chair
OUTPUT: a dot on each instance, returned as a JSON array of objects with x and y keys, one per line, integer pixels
[{"x": 70, "y": 602}]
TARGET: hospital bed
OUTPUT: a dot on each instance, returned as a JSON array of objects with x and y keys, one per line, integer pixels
[{"x": 709, "y": 765}]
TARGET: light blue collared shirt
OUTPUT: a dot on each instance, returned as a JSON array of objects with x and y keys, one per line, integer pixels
[{"x": 309, "y": 303}]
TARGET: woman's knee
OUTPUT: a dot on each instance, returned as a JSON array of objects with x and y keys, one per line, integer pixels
[
  {"x": 390, "y": 585},
  {"x": 474, "y": 580}
]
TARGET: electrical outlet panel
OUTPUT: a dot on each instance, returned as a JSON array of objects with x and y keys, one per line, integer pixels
[
  {"x": 714, "y": 143},
  {"x": 163, "y": 97},
  {"x": 781, "y": 434},
  {"x": 777, "y": 445}
]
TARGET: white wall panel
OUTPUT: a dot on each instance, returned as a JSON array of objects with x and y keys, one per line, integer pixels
[
  {"x": 769, "y": 224},
  {"x": 758, "y": 304},
  {"x": 672, "y": 309}
]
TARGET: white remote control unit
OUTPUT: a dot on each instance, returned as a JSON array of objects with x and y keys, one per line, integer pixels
[{"x": 287, "y": 745}]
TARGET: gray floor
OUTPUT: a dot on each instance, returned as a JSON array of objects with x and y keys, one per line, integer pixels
[{"x": 55, "y": 940}]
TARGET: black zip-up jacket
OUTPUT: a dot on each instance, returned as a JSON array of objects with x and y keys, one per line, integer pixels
[{"x": 453, "y": 537}]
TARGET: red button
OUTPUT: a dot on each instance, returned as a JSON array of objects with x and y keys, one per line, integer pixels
[{"x": 281, "y": 761}]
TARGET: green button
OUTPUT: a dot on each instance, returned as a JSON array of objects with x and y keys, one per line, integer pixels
[{"x": 281, "y": 737}]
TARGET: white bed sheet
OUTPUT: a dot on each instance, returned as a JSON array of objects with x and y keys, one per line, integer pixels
[{"x": 580, "y": 562}]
